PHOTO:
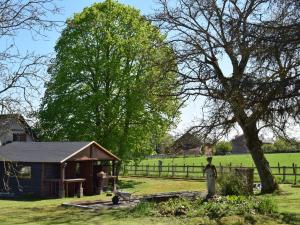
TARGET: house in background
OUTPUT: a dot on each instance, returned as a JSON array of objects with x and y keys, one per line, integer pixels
[
  {"x": 13, "y": 127},
  {"x": 187, "y": 144},
  {"x": 239, "y": 145},
  {"x": 54, "y": 169}
]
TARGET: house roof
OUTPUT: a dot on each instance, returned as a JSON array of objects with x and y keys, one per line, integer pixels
[
  {"x": 52, "y": 152},
  {"x": 6, "y": 120}
]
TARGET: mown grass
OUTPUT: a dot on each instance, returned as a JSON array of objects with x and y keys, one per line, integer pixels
[{"x": 34, "y": 212}]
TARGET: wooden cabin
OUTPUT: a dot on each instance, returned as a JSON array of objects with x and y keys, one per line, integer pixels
[{"x": 54, "y": 169}]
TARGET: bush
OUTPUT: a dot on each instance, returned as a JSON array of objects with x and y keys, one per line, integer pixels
[
  {"x": 230, "y": 184},
  {"x": 216, "y": 208},
  {"x": 175, "y": 207},
  {"x": 223, "y": 148},
  {"x": 143, "y": 209},
  {"x": 266, "y": 205}
]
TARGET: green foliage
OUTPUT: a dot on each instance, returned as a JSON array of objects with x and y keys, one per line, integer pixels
[
  {"x": 216, "y": 208},
  {"x": 231, "y": 184},
  {"x": 266, "y": 205},
  {"x": 223, "y": 148},
  {"x": 174, "y": 206},
  {"x": 109, "y": 82},
  {"x": 142, "y": 209},
  {"x": 282, "y": 145}
]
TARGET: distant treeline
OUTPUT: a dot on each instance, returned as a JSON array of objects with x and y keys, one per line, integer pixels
[{"x": 282, "y": 146}]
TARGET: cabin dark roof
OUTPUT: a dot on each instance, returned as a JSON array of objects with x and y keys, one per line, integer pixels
[{"x": 43, "y": 151}]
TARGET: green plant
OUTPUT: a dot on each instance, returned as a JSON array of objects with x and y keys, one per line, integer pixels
[
  {"x": 223, "y": 147},
  {"x": 175, "y": 207},
  {"x": 142, "y": 209},
  {"x": 266, "y": 205},
  {"x": 230, "y": 184}
]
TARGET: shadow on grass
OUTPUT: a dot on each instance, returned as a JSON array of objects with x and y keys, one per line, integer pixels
[
  {"x": 60, "y": 215},
  {"x": 291, "y": 218},
  {"x": 24, "y": 198},
  {"x": 128, "y": 184}
]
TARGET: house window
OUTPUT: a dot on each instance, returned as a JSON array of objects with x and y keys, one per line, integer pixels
[
  {"x": 19, "y": 137},
  {"x": 25, "y": 172}
]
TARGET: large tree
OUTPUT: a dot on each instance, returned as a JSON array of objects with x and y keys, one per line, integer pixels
[
  {"x": 110, "y": 81},
  {"x": 243, "y": 55}
]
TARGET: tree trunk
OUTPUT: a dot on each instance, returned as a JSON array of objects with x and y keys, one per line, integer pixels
[{"x": 268, "y": 181}]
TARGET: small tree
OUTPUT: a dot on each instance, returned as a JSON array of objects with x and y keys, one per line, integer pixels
[{"x": 223, "y": 148}]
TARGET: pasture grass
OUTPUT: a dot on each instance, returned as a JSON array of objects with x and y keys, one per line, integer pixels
[{"x": 284, "y": 159}]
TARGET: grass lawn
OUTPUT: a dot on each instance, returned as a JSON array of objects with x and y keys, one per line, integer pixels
[
  {"x": 50, "y": 211},
  {"x": 285, "y": 159}
]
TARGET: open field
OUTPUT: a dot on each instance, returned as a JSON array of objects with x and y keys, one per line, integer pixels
[
  {"x": 192, "y": 167},
  {"x": 284, "y": 159},
  {"x": 50, "y": 211}
]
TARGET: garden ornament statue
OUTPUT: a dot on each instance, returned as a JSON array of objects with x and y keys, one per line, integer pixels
[{"x": 211, "y": 175}]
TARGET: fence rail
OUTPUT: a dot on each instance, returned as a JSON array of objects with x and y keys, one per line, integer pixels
[{"x": 285, "y": 174}]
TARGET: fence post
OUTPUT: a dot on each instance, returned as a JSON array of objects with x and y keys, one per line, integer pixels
[
  {"x": 283, "y": 174},
  {"x": 159, "y": 167},
  {"x": 172, "y": 170},
  {"x": 147, "y": 170},
  {"x": 278, "y": 167},
  {"x": 230, "y": 167},
  {"x": 187, "y": 171},
  {"x": 295, "y": 173}
]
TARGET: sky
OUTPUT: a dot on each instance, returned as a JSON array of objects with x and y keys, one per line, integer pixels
[{"x": 189, "y": 113}]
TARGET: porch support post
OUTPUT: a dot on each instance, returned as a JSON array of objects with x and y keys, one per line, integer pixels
[
  {"x": 43, "y": 180},
  {"x": 114, "y": 174},
  {"x": 113, "y": 168},
  {"x": 62, "y": 180}
]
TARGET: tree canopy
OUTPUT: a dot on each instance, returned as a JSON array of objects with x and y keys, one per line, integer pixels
[{"x": 111, "y": 81}]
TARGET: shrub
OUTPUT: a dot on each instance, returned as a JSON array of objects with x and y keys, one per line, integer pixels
[
  {"x": 223, "y": 148},
  {"x": 216, "y": 208},
  {"x": 266, "y": 205},
  {"x": 143, "y": 209},
  {"x": 230, "y": 184},
  {"x": 175, "y": 207}
]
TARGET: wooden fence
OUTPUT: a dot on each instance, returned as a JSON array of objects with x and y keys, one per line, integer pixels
[{"x": 284, "y": 174}]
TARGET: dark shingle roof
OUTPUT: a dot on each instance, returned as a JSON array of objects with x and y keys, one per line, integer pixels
[{"x": 40, "y": 151}]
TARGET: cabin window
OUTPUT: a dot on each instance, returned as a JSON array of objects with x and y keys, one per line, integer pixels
[
  {"x": 19, "y": 137},
  {"x": 25, "y": 172}
]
